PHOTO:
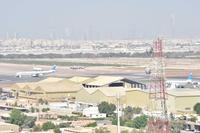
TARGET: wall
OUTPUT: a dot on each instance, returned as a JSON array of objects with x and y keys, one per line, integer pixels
[
  {"x": 83, "y": 96},
  {"x": 184, "y": 102},
  {"x": 137, "y": 98},
  {"x": 9, "y": 127}
]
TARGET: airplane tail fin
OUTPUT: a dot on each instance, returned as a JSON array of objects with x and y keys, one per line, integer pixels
[
  {"x": 189, "y": 77},
  {"x": 53, "y": 67}
]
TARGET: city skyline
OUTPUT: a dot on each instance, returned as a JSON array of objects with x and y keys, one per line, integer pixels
[{"x": 113, "y": 19}]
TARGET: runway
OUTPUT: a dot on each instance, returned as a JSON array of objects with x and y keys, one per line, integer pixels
[{"x": 8, "y": 72}]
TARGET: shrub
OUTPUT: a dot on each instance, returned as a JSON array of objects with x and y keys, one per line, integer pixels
[
  {"x": 94, "y": 124},
  {"x": 48, "y": 125}
]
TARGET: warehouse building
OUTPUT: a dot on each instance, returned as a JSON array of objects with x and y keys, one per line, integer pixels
[
  {"x": 183, "y": 100},
  {"x": 18, "y": 85},
  {"x": 84, "y": 95},
  {"x": 178, "y": 100},
  {"x": 100, "y": 94},
  {"x": 51, "y": 91},
  {"x": 51, "y": 80},
  {"x": 112, "y": 81},
  {"x": 105, "y": 88},
  {"x": 138, "y": 98},
  {"x": 80, "y": 79},
  {"x": 56, "y": 89}
]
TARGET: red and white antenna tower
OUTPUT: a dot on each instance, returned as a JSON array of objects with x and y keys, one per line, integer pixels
[{"x": 158, "y": 91}]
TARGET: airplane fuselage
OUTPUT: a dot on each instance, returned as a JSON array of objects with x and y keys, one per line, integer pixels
[{"x": 35, "y": 73}]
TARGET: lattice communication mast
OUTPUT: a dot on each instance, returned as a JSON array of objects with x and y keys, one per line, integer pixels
[{"x": 158, "y": 91}]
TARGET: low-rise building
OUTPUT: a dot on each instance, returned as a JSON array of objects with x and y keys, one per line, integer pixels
[{"x": 93, "y": 112}]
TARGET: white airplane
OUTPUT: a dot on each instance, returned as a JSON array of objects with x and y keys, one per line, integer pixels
[
  {"x": 181, "y": 83},
  {"x": 36, "y": 73}
]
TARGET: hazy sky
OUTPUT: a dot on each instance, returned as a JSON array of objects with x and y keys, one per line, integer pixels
[{"x": 100, "y": 19}]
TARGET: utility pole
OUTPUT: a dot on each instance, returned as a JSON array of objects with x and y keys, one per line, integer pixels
[{"x": 118, "y": 117}]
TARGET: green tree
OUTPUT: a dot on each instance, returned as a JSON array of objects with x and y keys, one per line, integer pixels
[
  {"x": 172, "y": 116},
  {"x": 137, "y": 110},
  {"x": 46, "y": 102},
  {"x": 114, "y": 121},
  {"x": 197, "y": 108},
  {"x": 56, "y": 130},
  {"x": 40, "y": 101},
  {"x": 128, "y": 113},
  {"x": 105, "y": 107},
  {"x": 32, "y": 110},
  {"x": 29, "y": 122},
  {"x": 45, "y": 109},
  {"x": 177, "y": 126},
  {"x": 140, "y": 122},
  {"x": 64, "y": 117},
  {"x": 17, "y": 117},
  {"x": 129, "y": 123},
  {"x": 63, "y": 125},
  {"x": 193, "y": 119},
  {"x": 37, "y": 110},
  {"x": 73, "y": 118},
  {"x": 48, "y": 125},
  {"x": 112, "y": 108}
]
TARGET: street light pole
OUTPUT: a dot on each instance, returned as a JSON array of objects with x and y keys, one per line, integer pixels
[{"x": 118, "y": 117}]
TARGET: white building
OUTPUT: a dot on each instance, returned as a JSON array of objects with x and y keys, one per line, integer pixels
[{"x": 93, "y": 112}]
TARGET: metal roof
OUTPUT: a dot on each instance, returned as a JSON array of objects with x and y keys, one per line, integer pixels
[
  {"x": 112, "y": 91},
  {"x": 79, "y": 79},
  {"x": 50, "y": 79},
  {"x": 104, "y": 80},
  {"x": 184, "y": 92}
]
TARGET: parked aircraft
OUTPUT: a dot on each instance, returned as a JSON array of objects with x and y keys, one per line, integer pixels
[
  {"x": 181, "y": 83},
  {"x": 36, "y": 73}
]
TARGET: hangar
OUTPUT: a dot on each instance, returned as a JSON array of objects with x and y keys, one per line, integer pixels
[
  {"x": 105, "y": 88},
  {"x": 61, "y": 88},
  {"x": 178, "y": 100},
  {"x": 183, "y": 100},
  {"x": 51, "y": 91},
  {"x": 100, "y": 94},
  {"x": 112, "y": 81}
]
